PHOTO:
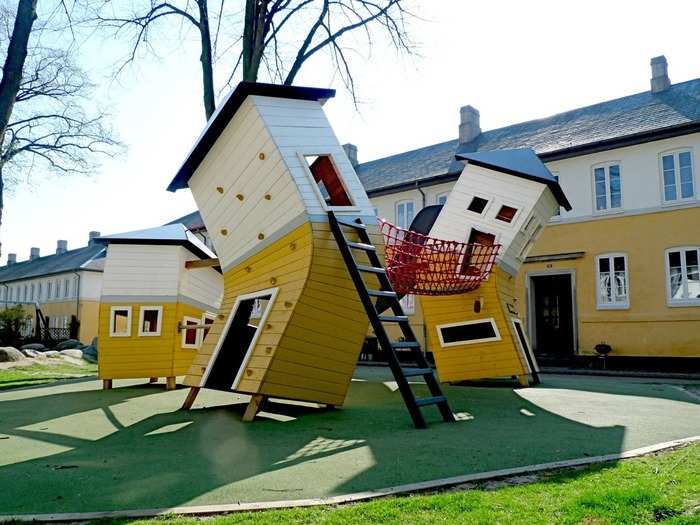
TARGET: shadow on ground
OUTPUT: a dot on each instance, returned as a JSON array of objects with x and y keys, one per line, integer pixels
[{"x": 72, "y": 447}]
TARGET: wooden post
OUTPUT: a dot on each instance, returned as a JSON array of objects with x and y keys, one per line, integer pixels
[
  {"x": 253, "y": 408},
  {"x": 191, "y": 396},
  {"x": 523, "y": 380},
  {"x": 170, "y": 383},
  {"x": 106, "y": 384},
  {"x": 153, "y": 380}
]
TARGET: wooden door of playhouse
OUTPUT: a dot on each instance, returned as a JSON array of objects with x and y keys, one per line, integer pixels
[{"x": 554, "y": 321}]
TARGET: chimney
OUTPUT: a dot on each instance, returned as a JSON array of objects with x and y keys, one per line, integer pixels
[
  {"x": 659, "y": 74},
  {"x": 11, "y": 258},
  {"x": 91, "y": 238},
  {"x": 61, "y": 247},
  {"x": 351, "y": 152},
  {"x": 469, "y": 127},
  {"x": 34, "y": 253}
]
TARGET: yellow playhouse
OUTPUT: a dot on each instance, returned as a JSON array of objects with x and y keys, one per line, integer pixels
[{"x": 156, "y": 305}]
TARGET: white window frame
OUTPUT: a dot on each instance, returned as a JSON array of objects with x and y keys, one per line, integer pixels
[
  {"x": 66, "y": 288},
  {"x": 205, "y": 315},
  {"x": 606, "y": 171},
  {"x": 489, "y": 201},
  {"x": 440, "y": 195},
  {"x": 185, "y": 330},
  {"x": 670, "y": 301},
  {"x": 491, "y": 320},
  {"x": 112, "y": 310},
  {"x": 142, "y": 312},
  {"x": 617, "y": 305},
  {"x": 518, "y": 211},
  {"x": 676, "y": 176},
  {"x": 403, "y": 202},
  {"x": 527, "y": 350},
  {"x": 307, "y": 170}
]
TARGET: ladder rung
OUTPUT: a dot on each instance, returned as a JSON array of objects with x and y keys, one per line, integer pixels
[
  {"x": 393, "y": 318},
  {"x": 381, "y": 293},
  {"x": 435, "y": 400},
  {"x": 413, "y": 372},
  {"x": 362, "y": 246},
  {"x": 370, "y": 269},
  {"x": 352, "y": 225},
  {"x": 405, "y": 344}
]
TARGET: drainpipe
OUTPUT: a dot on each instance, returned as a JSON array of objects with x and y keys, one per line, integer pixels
[
  {"x": 77, "y": 300},
  {"x": 422, "y": 194}
]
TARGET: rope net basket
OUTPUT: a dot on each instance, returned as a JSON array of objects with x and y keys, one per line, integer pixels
[{"x": 422, "y": 265}]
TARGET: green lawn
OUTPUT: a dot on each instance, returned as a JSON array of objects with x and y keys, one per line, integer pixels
[
  {"x": 44, "y": 372},
  {"x": 663, "y": 488}
]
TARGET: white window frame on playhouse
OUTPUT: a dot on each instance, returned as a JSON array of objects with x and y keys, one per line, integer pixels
[
  {"x": 307, "y": 170},
  {"x": 491, "y": 320},
  {"x": 527, "y": 351},
  {"x": 615, "y": 304},
  {"x": 114, "y": 309},
  {"x": 272, "y": 292},
  {"x": 142, "y": 312},
  {"x": 196, "y": 343},
  {"x": 206, "y": 315}
]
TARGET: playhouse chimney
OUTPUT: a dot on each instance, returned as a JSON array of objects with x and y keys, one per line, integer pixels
[
  {"x": 469, "y": 127},
  {"x": 61, "y": 247},
  {"x": 91, "y": 237},
  {"x": 351, "y": 152},
  {"x": 34, "y": 253},
  {"x": 659, "y": 74},
  {"x": 11, "y": 258}
]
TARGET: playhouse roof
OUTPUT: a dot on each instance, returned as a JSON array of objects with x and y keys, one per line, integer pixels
[
  {"x": 521, "y": 162},
  {"x": 225, "y": 112},
  {"x": 170, "y": 234}
]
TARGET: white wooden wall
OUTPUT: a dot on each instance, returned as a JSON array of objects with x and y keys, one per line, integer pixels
[
  {"x": 204, "y": 285},
  {"x": 141, "y": 270}
]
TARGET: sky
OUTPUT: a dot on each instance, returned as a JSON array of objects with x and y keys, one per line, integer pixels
[{"x": 512, "y": 60}]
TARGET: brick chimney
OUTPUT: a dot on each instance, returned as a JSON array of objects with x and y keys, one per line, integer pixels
[
  {"x": 351, "y": 152},
  {"x": 91, "y": 237},
  {"x": 34, "y": 253},
  {"x": 61, "y": 247},
  {"x": 11, "y": 258},
  {"x": 659, "y": 74},
  {"x": 469, "y": 127}
]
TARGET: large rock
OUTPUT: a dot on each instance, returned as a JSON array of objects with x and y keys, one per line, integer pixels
[
  {"x": 52, "y": 353},
  {"x": 10, "y": 353},
  {"x": 73, "y": 352},
  {"x": 90, "y": 351},
  {"x": 67, "y": 344},
  {"x": 28, "y": 352},
  {"x": 33, "y": 346}
]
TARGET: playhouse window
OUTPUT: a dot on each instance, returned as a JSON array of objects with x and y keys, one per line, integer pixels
[
  {"x": 506, "y": 213},
  {"x": 468, "y": 332},
  {"x": 150, "y": 319},
  {"x": 120, "y": 321},
  {"x": 207, "y": 319},
  {"x": 328, "y": 180},
  {"x": 475, "y": 256},
  {"x": 478, "y": 205},
  {"x": 190, "y": 338}
]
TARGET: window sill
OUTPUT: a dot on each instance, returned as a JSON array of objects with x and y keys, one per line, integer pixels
[
  {"x": 613, "y": 307},
  {"x": 681, "y": 304},
  {"x": 599, "y": 213},
  {"x": 120, "y": 335},
  {"x": 678, "y": 202},
  {"x": 149, "y": 334}
]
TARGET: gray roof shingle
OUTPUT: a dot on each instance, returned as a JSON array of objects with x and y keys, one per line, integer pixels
[
  {"x": 51, "y": 264},
  {"x": 607, "y": 121}
]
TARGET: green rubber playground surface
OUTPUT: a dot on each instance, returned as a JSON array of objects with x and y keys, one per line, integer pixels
[{"x": 72, "y": 447}]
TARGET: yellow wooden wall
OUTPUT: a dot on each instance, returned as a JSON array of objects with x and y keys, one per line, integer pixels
[{"x": 478, "y": 360}]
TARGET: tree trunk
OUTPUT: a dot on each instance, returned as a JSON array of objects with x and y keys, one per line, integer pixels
[
  {"x": 205, "y": 59},
  {"x": 2, "y": 188},
  {"x": 12, "y": 69},
  {"x": 254, "y": 32}
]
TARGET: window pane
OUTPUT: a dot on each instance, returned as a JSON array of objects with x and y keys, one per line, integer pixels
[
  {"x": 669, "y": 178},
  {"x": 409, "y": 214},
  {"x": 604, "y": 264},
  {"x": 615, "y": 187},
  {"x": 686, "y": 174},
  {"x": 601, "y": 202},
  {"x": 150, "y": 321},
  {"x": 506, "y": 213},
  {"x": 442, "y": 199},
  {"x": 667, "y": 161},
  {"x": 477, "y": 205},
  {"x": 620, "y": 279},
  {"x": 121, "y": 321},
  {"x": 191, "y": 335},
  {"x": 692, "y": 273},
  {"x": 401, "y": 216},
  {"x": 675, "y": 273}
]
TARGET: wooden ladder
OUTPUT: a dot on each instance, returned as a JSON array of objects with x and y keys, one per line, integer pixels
[{"x": 386, "y": 294}]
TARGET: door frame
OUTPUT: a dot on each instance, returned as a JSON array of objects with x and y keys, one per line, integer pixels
[{"x": 530, "y": 303}]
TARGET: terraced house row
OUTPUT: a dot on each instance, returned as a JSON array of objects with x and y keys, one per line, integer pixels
[{"x": 621, "y": 267}]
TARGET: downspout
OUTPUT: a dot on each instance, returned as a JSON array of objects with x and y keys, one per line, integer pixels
[
  {"x": 422, "y": 194},
  {"x": 77, "y": 303}
]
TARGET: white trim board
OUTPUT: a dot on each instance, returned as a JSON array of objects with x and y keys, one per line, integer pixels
[{"x": 355, "y": 496}]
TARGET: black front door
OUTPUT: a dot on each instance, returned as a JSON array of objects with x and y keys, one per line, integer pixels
[{"x": 554, "y": 316}]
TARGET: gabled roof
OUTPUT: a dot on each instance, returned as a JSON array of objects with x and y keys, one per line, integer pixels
[
  {"x": 522, "y": 163},
  {"x": 225, "y": 112},
  {"x": 170, "y": 234},
  {"x": 192, "y": 221},
  {"x": 70, "y": 261},
  {"x": 624, "y": 121}
]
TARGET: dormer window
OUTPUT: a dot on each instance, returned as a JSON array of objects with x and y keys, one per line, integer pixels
[
  {"x": 328, "y": 181},
  {"x": 478, "y": 205},
  {"x": 506, "y": 213}
]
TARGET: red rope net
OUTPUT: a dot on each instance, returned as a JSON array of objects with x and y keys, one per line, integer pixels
[{"x": 422, "y": 265}]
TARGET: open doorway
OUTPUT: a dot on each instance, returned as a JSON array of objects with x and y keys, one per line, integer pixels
[
  {"x": 552, "y": 315},
  {"x": 238, "y": 339}
]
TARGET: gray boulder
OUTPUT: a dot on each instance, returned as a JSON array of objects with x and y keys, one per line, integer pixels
[
  {"x": 28, "y": 352},
  {"x": 68, "y": 344},
  {"x": 90, "y": 351},
  {"x": 10, "y": 353},
  {"x": 72, "y": 352},
  {"x": 33, "y": 346},
  {"x": 52, "y": 353}
]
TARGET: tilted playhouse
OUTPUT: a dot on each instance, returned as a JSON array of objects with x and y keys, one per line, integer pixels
[{"x": 302, "y": 256}]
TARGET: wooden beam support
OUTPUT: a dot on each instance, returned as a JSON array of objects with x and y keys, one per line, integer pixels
[
  {"x": 170, "y": 383},
  {"x": 254, "y": 406},
  {"x": 153, "y": 380},
  {"x": 204, "y": 263},
  {"x": 106, "y": 384},
  {"x": 191, "y": 396}
]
